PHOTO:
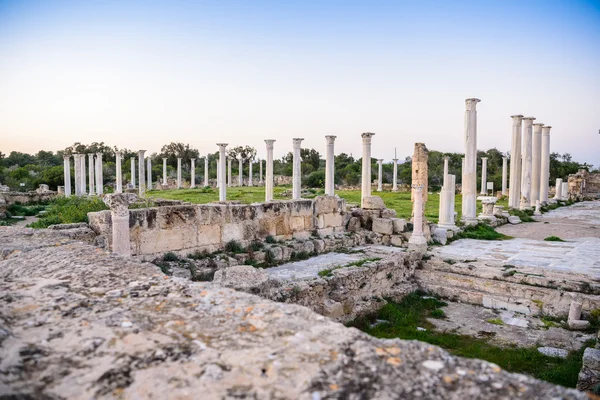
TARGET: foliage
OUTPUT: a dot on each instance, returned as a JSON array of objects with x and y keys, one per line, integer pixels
[
  {"x": 234, "y": 247},
  {"x": 69, "y": 210},
  {"x": 170, "y": 257},
  {"x": 480, "y": 232},
  {"x": 495, "y": 321},
  {"x": 18, "y": 209},
  {"x": 553, "y": 239}
]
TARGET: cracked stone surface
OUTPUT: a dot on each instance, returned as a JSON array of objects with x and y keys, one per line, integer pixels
[{"x": 79, "y": 323}]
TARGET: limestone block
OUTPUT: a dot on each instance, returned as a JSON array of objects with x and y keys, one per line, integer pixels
[
  {"x": 309, "y": 247},
  {"x": 396, "y": 240},
  {"x": 373, "y": 203},
  {"x": 277, "y": 253},
  {"x": 554, "y": 352},
  {"x": 386, "y": 240},
  {"x": 297, "y": 223},
  {"x": 399, "y": 225},
  {"x": 240, "y": 276},
  {"x": 232, "y": 232},
  {"x": 513, "y": 219},
  {"x": 326, "y": 204},
  {"x": 578, "y": 324},
  {"x": 286, "y": 253},
  {"x": 575, "y": 310},
  {"x": 329, "y": 220},
  {"x": 440, "y": 235},
  {"x": 589, "y": 376},
  {"x": 591, "y": 358},
  {"x": 333, "y": 309},
  {"x": 319, "y": 245},
  {"x": 303, "y": 235},
  {"x": 366, "y": 220},
  {"x": 208, "y": 235},
  {"x": 383, "y": 226},
  {"x": 353, "y": 224},
  {"x": 388, "y": 213}
]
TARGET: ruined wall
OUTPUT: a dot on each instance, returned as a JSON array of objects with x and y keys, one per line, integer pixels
[
  {"x": 27, "y": 197},
  {"x": 584, "y": 184},
  {"x": 210, "y": 226}
]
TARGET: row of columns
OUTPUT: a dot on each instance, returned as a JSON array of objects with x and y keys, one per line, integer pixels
[{"x": 85, "y": 184}]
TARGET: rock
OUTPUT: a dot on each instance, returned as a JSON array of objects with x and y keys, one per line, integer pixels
[
  {"x": 333, "y": 309},
  {"x": 578, "y": 324},
  {"x": 179, "y": 272},
  {"x": 319, "y": 246},
  {"x": 383, "y": 226},
  {"x": 440, "y": 235},
  {"x": 513, "y": 219},
  {"x": 397, "y": 240},
  {"x": 353, "y": 224},
  {"x": 388, "y": 213},
  {"x": 591, "y": 358},
  {"x": 553, "y": 352},
  {"x": 373, "y": 203},
  {"x": 326, "y": 205},
  {"x": 589, "y": 375},
  {"x": 241, "y": 277},
  {"x": 399, "y": 225}
]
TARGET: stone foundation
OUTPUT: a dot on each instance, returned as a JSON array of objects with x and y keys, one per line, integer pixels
[{"x": 27, "y": 197}]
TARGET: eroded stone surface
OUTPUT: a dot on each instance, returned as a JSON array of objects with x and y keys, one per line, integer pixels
[{"x": 80, "y": 323}]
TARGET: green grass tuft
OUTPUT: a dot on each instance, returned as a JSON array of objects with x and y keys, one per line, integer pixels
[
  {"x": 69, "y": 210},
  {"x": 495, "y": 321},
  {"x": 479, "y": 232},
  {"x": 553, "y": 239}
]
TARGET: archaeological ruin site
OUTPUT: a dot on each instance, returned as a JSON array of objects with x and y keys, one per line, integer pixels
[{"x": 305, "y": 294}]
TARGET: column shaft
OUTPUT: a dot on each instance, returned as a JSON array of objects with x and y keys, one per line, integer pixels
[
  {"x": 83, "y": 175},
  {"x": 193, "y": 173},
  {"x": 118, "y": 173},
  {"x": 545, "y": 165},
  {"x": 484, "y": 175},
  {"x": 67, "y": 174},
  {"x": 469, "y": 184},
  {"x": 269, "y": 166},
  {"x": 395, "y": 177},
  {"x": 296, "y": 169},
  {"x": 91, "y": 173},
  {"x": 366, "y": 166},
  {"x": 206, "y": 170},
  {"x": 536, "y": 163},
  {"x": 221, "y": 172},
  {"x": 379, "y": 175},
  {"x": 330, "y": 166},
  {"x": 149, "y": 172},
  {"x": 526, "y": 164},
  {"x": 504, "y": 175},
  {"x": 164, "y": 182},
  {"x": 179, "y": 183},
  {"x": 133, "y": 172},
  {"x": 250, "y": 183},
  {"x": 514, "y": 182},
  {"x": 99, "y": 174},
  {"x": 142, "y": 173},
  {"x": 240, "y": 171}
]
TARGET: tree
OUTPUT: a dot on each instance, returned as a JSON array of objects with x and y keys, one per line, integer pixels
[
  {"x": 247, "y": 152},
  {"x": 175, "y": 150}
]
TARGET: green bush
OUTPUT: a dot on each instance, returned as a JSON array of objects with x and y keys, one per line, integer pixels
[
  {"x": 233, "y": 246},
  {"x": 69, "y": 210},
  {"x": 480, "y": 232},
  {"x": 170, "y": 257},
  {"x": 18, "y": 209}
]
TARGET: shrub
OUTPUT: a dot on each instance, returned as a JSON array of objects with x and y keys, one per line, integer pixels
[
  {"x": 170, "y": 257},
  {"x": 69, "y": 210},
  {"x": 233, "y": 246},
  {"x": 553, "y": 239},
  {"x": 437, "y": 313},
  {"x": 198, "y": 255},
  {"x": 270, "y": 239},
  {"x": 480, "y": 232},
  {"x": 255, "y": 246}
]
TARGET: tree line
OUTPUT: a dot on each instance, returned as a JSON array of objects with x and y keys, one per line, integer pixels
[{"x": 22, "y": 171}]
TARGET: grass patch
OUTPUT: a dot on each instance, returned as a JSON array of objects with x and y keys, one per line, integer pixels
[
  {"x": 479, "y": 232},
  {"x": 69, "y": 210},
  {"x": 524, "y": 215},
  {"x": 25, "y": 211},
  {"x": 449, "y": 261},
  {"x": 553, "y": 239},
  {"x": 495, "y": 321},
  {"x": 170, "y": 257},
  {"x": 233, "y": 246},
  {"x": 437, "y": 313},
  {"x": 360, "y": 263},
  {"x": 412, "y": 312}
]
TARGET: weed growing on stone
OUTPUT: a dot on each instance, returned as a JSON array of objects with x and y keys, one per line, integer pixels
[
  {"x": 524, "y": 215},
  {"x": 270, "y": 239},
  {"x": 479, "y": 232},
  {"x": 360, "y": 263},
  {"x": 198, "y": 255},
  {"x": 170, "y": 257},
  {"x": 509, "y": 273},
  {"x": 495, "y": 321},
  {"x": 449, "y": 261},
  {"x": 412, "y": 312},
  {"x": 233, "y": 246},
  {"x": 437, "y": 313},
  {"x": 553, "y": 239}
]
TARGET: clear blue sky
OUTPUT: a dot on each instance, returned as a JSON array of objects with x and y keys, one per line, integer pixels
[{"x": 142, "y": 74}]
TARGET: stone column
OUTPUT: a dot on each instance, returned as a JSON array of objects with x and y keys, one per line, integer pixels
[
  {"x": 447, "y": 201},
  {"x": 564, "y": 193},
  {"x": 229, "y": 180},
  {"x": 149, "y": 172},
  {"x": 452, "y": 195},
  {"x": 240, "y": 171},
  {"x": 99, "y": 174},
  {"x": 206, "y": 170},
  {"x": 526, "y": 164},
  {"x": 142, "y": 172},
  {"x": 417, "y": 241},
  {"x": 420, "y": 170},
  {"x": 514, "y": 182},
  {"x": 179, "y": 183},
  {"x": 67, "y": 174},
  {"x": 469, "y": 184},
  {"x": 462, "y": 171},
  {"x": 504, "y": 174},
  {"x": 77, "y": 166},
  {"x": 119, "y": 213},
  {"x": 484, "y": 175},
  {"x": 83, "y": 175},
  {"x": 330, "y": 166},
  {"x": 133, "y": 172},
  {"x": 366, "y": 166},
  {"x": 221, "y": 172},
  {"x": 536, "y": 163},
  {"x": 558, "y": 190},
  {"x": 192, "y": 173},
  {"x": 395, "y": 177},
  {"x": 118, "y": 173},
  {"x": 164, "y": 182},
  {"x": 380, "y": 175},
  {"x": 269, "y": 166},
  {"x": 296, "y": 169},
  {"x": 91, "y": 173},
  {"x": 250, "y": 183},
  {"x": 545, "y": 165},
  {"x": 446, "y": 159}
]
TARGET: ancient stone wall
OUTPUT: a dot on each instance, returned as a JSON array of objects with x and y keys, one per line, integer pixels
[
  {"x": 584, "y": 184},
  {"x": 27, "y": 197},
  {"x": 210, "y": 226}
]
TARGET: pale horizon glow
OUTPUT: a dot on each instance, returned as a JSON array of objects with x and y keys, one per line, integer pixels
[{"x": 140, "y": 74}]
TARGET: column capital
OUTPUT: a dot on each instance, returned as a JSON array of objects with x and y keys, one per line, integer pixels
[
  {"x": 471, "y": 104},
  {"x": 538, "y": 124},
  {"x": 546, "y": 130},
  {"x": 367, "y": 135},
  {"x": 380, "y": 161},
  {"x": 165, "y": 158},
  {"x": 67, "y": 158},
  {"x": 269, "y": 143},
  {"x": 192, "y": 159},
  {"x": 180, "y": 158},
  {"x": 222, "y": 145},
  {"x": 484, "y": 158},
  {"x": 529, "y": 119},
  {"x": 395, "y": 160},
  {"x": 504, "y": 157},
  {"x": 118, "y": 153},
  {"x": 330, "y": 139},
  {"x": 141, "y": 152}
]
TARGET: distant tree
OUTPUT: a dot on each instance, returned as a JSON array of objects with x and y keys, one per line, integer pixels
[
  {"x": 246, "y": 152},
  {"x": 175, "y": 150}
]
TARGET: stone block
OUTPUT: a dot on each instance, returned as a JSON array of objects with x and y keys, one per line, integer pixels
[
  {"x": 388, "y": 213},
  {"x": 333, "y": 220},
  {"x": 399, "y": 225},
  {"x": 326, "y": 204},
  {"x": 513, "y": 219},
  {"x": 297, "y": 223},
  {"x": 241, "y": 276},
  {"x": 277, "y": 253},
  {"x": 591, "y": 358},
  {"x": 383, "y": 226},
  {"x": 303, "y": 235},
  {"x": 397, "y": 240},
  {"x": 578, "y": 324},
  {"x": 440, "y": 235},
  {"x": 553, "y": 352},
  {"x": 319, "y": 245},
  {"x": 333, "y": 309},
  {"x": 353, "y": 224},
  {"x": 373, "y": 203},
  {"x": 386, "y": 240}
]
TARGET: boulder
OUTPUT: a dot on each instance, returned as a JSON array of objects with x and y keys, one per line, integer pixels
[
  {"x": 589, "y": 375},
  {"x": 440, "y": 235},
  {"x": 388, "y": 213},
  {"x": 383, "y": 225},
  {"x": 513, "y": 219},
  {"x": 553, "y": 352},
  {"x": 373, "y": 203}
]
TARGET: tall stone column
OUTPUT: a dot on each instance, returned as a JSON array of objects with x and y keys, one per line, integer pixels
[
  {"x": 269, "y": 166},
  {"x": 469, "y": 184},
  {"x": 221, "y": 172},
  {"x": 536, "y": 163},
  {"x": 149, "y": 172},
  {"x": 250, "y": 183},
  {"x": 83, "y": 175},
  {"x": 77, "y": 172},
  {"x": 91, "y": 173},
  {"x": 179, "y": 183},
  {"x": 462, "y": 171},
  {"x": 417, "y": 241},
  {"x": 447, "y": 201},
  {"x": 452, "y": 195},
  {"x": 296, "y": 169},
  {"x": 164, "y": 182},
  {"x": 504, "y": 175},
  {"x": 206, "y": 170},
  {"x": 514, "y": 183},
  {"x": 366, "y": 166},
  {"x": 133, "y": 172},
  {"x": 67, "y": 174},
  {"x": 379, "y": 175},
  {"x": 558, "y": 190},
  {"x": 118, "y": 173},
  {"x": 395, "y": 177},
  {"x": 192, "y": 173},
  {"x": 526, "y": 164},
  {"x": 484, "y": 175},
  {"x": 330, "y": 166},
  {"x": 99, "y": 174},
  {"x": 119, "y": 213},
  {"x": 545, "y": 165},
  {"x": 260, "y": 171},
  {"x": 446, "y": 160},
  {"x": 142, "y": 173},
  {"x": 240, "y": 171},
  {"x": 420, "y": 170},
  {"x": 229, "y": 180}
]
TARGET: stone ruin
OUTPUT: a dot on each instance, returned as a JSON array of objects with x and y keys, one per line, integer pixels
[{"x": 584, "y": 185}]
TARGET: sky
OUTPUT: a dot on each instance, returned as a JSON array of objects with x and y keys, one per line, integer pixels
[{"x": 140, "y": 74}]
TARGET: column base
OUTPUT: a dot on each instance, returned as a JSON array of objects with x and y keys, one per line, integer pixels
[
  {"x": 470, "y": 220},
  {"x": 450, "y": 227}
]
